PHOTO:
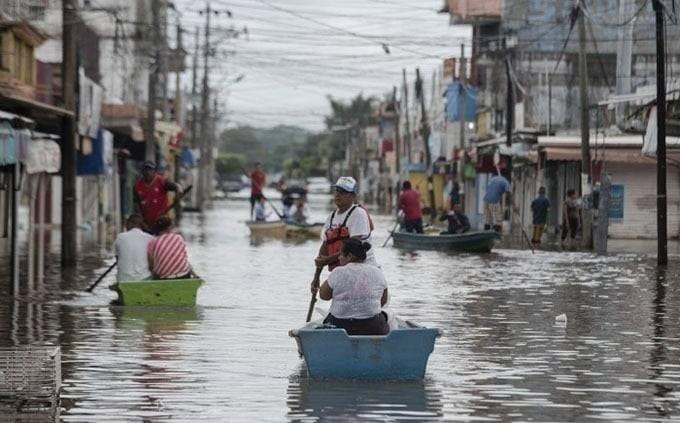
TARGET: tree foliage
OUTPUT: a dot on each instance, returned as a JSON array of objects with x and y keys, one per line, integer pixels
[{"x": 229, "y": 165}]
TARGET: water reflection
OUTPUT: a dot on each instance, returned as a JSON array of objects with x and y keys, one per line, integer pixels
[
  {"x": 144, "y": 356},
  {"x": 658, "y": 351},
  {"x": 320, "y": 400}
]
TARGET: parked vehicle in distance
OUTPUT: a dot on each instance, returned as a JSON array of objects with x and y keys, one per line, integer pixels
[
  {"x": 231, "y": 186},
  {"x": 318, "y": 185}
]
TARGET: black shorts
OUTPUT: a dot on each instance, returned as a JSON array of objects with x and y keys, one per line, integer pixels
[
  {"x": 254, "y": 198},
  {"x": 414, "y": 225},
  {"x": 376, "y": 325}
]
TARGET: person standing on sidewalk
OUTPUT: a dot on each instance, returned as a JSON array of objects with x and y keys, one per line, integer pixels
[
  {"x": 258, "y": 179},
  {"x": 539, "y": 208},
  {"x": 410, "y": 204},
  {"x": 493, "y": 199}
]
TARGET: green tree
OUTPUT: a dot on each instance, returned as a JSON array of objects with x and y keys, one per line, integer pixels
[{"x": 229, "y": 165}]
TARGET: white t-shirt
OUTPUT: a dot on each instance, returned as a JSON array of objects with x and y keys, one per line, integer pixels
[
  {"x": 357, "y": 290},
  {"x": 133, "y": 263},
  {"x": 358, "y": 225}
]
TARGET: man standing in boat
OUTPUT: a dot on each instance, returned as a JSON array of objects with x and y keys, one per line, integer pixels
[
  {"x": 411, "y": 205},
  {"x": 258, "y": 179},
  {"x": 348, "y": 220},
  {"x": 151, "y": 194}
]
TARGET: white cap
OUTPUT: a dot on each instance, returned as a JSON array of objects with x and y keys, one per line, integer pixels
[{"x": 347, "y": 183}]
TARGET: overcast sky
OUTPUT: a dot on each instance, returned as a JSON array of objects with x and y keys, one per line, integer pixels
[{"x": 299, "y": 51}]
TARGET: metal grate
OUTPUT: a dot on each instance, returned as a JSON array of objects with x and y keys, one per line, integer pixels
[{"x": 30, "y": 382}]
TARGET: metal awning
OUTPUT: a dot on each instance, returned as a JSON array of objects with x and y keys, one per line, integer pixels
[{"x": 617, "y": 155}]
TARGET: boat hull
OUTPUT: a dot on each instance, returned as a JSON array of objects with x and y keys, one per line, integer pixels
[
  {"x": 402, "y": 354},
  {"x": 174, "y": 292},
  {"x": 267, "y": 229},
  {"x": 472, "y": 242},
  {"x": 311, "y": 230}
]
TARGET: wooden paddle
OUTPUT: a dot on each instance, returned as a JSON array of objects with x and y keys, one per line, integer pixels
[
  {"x": 262, "y": 193},
  {"x": 91, "y": 287},
  {"x": 177, "y": 199},
  {"x": 315, "y": 281},
  {"x": 391, "y": 233},
  {"x": 526, "y": 236}
]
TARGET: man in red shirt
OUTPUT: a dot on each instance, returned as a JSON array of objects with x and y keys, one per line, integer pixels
[
  {"x": 151, "y": 194},
  {"x": 257, "y": 183},
  {"x": 410, "y": 204}
]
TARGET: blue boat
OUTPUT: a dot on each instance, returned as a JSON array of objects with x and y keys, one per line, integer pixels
[
  {"x": 470, "y": 242},
  {"x": 400, "y": 355}
]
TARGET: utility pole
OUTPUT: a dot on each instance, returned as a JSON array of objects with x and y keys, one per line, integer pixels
[
  {"x": 203, "y": 182},
  {"x": 549, "y": 80},
  {"x": 461, "y": 103},
  {"x": 407, "y": 138},
  {"x": 583, "y": 94},
  {"x": 194, "y": 77},
  {"x": 165, "y": 106},
  {"x": 586, "y": 171},
  {"x": 150, "y": 127},
  {"x": 662, "y": 254},
  {"x": 69, "y": 242},
  {"x": 425, "y": 133},
  {"x": 397, "y": 134},
  {"x": 624, "y": 55},
  {"x": 509, "y": 102}
]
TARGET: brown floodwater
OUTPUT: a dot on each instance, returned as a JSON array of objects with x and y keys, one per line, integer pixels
[{"x": 503, "y": 355}]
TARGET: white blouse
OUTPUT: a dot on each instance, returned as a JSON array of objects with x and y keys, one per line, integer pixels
[{"x": 357, "y": 290}]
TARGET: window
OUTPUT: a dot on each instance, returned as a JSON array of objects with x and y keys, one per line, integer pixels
[{"x": 24, "y": 63}]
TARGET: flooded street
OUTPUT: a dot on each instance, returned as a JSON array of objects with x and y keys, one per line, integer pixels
[{"x": 502, "y": 357}]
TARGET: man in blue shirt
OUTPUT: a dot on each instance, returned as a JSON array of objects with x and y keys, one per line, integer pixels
[
  {"x": 539, "y": 207},
  {"x": 493, "y": 209}
]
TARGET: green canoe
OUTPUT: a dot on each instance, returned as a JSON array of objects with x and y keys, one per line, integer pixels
[{"x": 179, "y": 292}]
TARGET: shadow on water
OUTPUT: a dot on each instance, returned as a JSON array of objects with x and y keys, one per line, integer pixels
[
  {"x": 659, "y": 352},
  {"x": 338, "y": 400}
]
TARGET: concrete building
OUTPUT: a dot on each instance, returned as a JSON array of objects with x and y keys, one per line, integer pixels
[{"x": 534, "y": 45}]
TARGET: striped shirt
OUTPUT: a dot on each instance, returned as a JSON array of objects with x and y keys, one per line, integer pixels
[{"x": 168, "y": 253}]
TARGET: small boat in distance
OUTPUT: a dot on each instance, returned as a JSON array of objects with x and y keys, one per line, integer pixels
[
  {"x": 329, "y": 352},
  {"x": 309, "y": 230},
  {"x": 470, "y": 242},
  {"x": 166, "y": 292},
  {"x": 276, "y": 228}
]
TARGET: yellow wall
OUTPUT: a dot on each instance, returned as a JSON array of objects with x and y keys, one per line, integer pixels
[{"x": 419, "y": 183}]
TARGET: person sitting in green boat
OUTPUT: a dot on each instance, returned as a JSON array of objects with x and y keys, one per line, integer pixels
[
  {"x": 358, "y": 290},
  {"x": 167, "y": 252},
  {"x": 131, "y": 247},
  {"x": 458, "y": 222}
]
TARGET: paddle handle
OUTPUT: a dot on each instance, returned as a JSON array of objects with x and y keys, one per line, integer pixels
[
  {"x": 91, "y": 287},
  {"x": 317, "y": 275},
  {"x": 526, "y": 236},
  {"x": 391, "y": 233},
  {"x": 177, "y": 199}
]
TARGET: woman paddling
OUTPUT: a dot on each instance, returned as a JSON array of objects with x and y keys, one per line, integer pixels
[{"x": 358, "y": 290}]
